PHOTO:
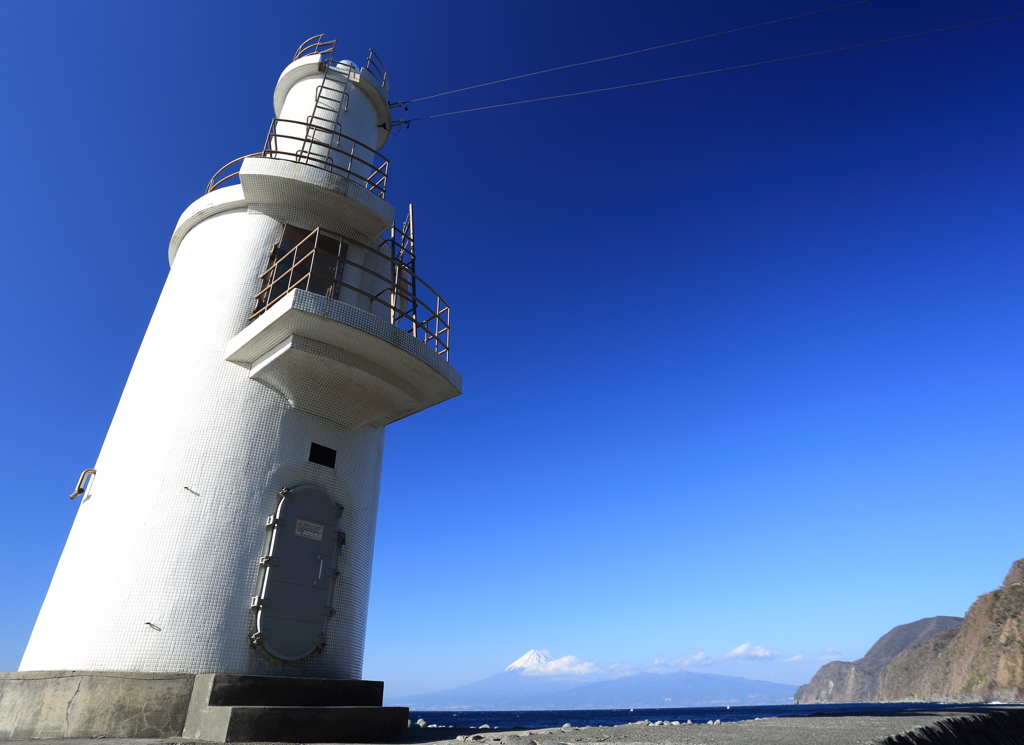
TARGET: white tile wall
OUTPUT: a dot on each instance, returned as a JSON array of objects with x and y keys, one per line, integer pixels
[{"x": 145, "y": 549}]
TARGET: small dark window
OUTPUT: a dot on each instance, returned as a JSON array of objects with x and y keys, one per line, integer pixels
[{"x": 321, "y": 455}]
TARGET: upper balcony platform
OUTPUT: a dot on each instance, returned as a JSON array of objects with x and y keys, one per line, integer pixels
[
  {"x": 308, "y": 167},
  {"x": 337, "y": 182}
]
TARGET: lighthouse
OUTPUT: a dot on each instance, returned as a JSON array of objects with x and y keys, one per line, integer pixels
[{"x": 227, "y": 527}]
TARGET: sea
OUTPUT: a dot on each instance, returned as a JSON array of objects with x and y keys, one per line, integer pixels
[{"x": 540, "y": 719}]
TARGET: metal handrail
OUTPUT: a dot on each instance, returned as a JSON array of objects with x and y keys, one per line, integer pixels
[
  {"x": 215, "y": 183},
  {"x": 375, "y": 66},
  {"x": 315, "y": 45},
  {"x": 309, "y": 151},
  {"x": 423, "y": 315},
  {"x": 313, "y": 150}
]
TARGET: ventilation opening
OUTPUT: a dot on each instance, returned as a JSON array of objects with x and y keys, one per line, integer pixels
[{"x": 322, "y": 455}]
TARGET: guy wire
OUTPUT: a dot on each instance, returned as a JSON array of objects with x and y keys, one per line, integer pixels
[
  {"x": 638, "y": 51},
  {"x": 709, "y": 72}
]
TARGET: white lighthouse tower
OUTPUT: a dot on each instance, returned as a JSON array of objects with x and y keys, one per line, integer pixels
[{"x": 229, "y": 525}]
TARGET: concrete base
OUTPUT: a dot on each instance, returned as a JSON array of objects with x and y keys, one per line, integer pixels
[
  {"x": 219, "y": 708},
  {"x": 75, "y": 703}
]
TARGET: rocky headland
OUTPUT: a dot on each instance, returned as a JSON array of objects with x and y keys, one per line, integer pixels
[{"x": 974, "y": 659}]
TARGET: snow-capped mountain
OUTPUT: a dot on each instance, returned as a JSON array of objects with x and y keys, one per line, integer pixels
[
  {"x": 540, "y": 662},
  {"x": 535, "y": 658},
  {"x": 537, "y": 680}
]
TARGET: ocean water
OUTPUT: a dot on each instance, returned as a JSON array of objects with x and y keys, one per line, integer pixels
[{"x": 698, "y": 715}]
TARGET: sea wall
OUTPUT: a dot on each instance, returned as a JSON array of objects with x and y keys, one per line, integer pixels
[{"x": 994, "y": 728}]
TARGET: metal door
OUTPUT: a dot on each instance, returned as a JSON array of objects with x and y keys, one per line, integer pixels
[{"x": 297, "y": 572}]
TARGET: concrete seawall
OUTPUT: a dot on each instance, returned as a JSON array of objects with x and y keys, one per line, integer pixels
[{"x": 990, "y": 728}]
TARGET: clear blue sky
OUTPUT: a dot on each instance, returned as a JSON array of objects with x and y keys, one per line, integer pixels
[{"x": 742, "y": 353}]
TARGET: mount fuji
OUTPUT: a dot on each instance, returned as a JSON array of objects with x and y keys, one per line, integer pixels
[{"x": 539, "y": 681}]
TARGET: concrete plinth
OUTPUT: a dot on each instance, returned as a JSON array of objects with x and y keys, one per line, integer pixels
[
  {"x": 73, "y": 703},
  {"x": 219, "y": 708}
]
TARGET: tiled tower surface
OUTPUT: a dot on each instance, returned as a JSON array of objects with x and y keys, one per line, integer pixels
[{"x": 230, "y": 393}]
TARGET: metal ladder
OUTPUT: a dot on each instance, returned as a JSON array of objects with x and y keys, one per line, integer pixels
[
  {"x": 322, "y": 127},
  {"x": 403, "y": 250}
]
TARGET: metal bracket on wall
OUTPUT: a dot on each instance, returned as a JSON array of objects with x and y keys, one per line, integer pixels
[{"x": 80, "y": 489}]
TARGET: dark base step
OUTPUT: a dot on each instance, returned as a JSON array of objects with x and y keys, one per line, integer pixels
[
  {"x": 315, "y": 724},
  {"x": 254, "y": 708},
  {"x": 264, "y": 690}
]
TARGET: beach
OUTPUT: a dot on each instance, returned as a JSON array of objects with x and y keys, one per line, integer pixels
[
  {"x": 1003, "y": 725},
  {"x": 819, "y": 730}
]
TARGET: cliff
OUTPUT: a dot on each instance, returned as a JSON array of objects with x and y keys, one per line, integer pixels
[
  {"x": 980, "y": 659},
  {"x": 858, "y": 681},
  {"x": 983, "y": 660}
]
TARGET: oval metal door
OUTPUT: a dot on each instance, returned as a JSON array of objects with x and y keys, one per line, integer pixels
[{"x": 297, "y": 574}]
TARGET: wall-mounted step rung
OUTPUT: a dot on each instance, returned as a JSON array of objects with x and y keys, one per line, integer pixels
[
  {"x": 338, "y": 102},
  {"x": 317, "y": 116},
  {"x": 322, "y": 123},
  {"x": 309, "y": 155}
]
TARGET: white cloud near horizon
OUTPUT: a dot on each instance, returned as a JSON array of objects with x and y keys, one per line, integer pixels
[
  {"x": 745, "y": 651},
  {"x": 542, "y": 663},
  {"x": 567, "y": 665},
  {"x": 830, "y": 655},
  {"x": 748, "y": 651}
]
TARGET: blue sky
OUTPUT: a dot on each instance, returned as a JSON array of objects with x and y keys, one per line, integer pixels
[{"x": 742, "y": 353}]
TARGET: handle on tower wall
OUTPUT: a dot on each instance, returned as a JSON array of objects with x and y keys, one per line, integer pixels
[{"x": 80, "y": 489}]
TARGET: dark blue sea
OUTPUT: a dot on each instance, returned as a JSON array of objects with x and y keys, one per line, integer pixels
[{"x": 698, "y": 715}]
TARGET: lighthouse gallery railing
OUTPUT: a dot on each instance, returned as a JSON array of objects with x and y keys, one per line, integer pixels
[
  {"x": 320, "y": 147},
  {"x": 375, "y": 280}
]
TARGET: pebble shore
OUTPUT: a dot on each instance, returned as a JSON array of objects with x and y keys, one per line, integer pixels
[
  {"x": 848, "y": 729},
  {"x": 813, "y": 730}
]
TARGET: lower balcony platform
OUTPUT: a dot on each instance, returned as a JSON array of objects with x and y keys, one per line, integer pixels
[{"x": 334, "y": 360}]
